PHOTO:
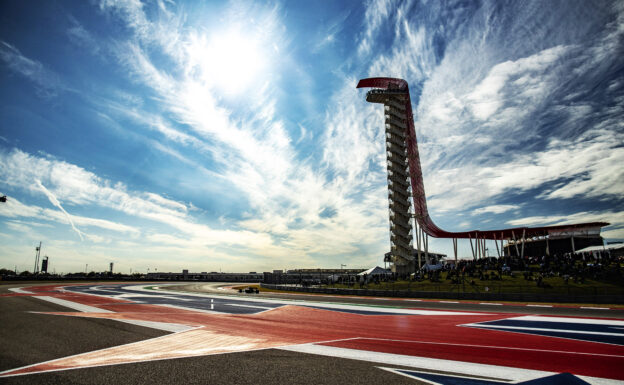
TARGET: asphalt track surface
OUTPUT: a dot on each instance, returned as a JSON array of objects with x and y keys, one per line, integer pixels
[
  {"x": 578, "y": 310},
  {"x": 142, "y": 333}
]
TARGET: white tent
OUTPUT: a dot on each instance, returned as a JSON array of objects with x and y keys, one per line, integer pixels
[
  {"x": 432, "y": 267},
  {"x": 375, "y": 271},
  {"x": 601, "y": 248},
  {"x": 615, "y": 250}
]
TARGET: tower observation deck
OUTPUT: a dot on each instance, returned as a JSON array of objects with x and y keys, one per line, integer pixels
[{"x": 405, "y": 179}]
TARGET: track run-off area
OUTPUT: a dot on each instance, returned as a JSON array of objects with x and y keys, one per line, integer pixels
[{"x": 239, "y": 338}]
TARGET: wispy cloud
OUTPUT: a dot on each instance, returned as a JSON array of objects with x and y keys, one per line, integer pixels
[
  {"x": 495, "y": 209},
  {"x": 47, "y": 82},
  {"x": 14, "y": 208},
  {"x": 377, "y": 13},
  {"x": 82, "y": 38},
  {"x": 56, "y": 203},
  {"x": 78, "y": 186},
  {"x": 256, "y": 155},
  {"x": 329, "y": 33}
]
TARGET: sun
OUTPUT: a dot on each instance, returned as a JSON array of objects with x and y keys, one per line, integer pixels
[{"x": 230, "y": 60}]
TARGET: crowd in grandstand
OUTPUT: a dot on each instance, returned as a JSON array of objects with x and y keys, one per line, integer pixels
[{"x": 576, "y": 267}]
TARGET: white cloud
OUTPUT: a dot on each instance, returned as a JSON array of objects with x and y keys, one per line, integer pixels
[
  {"x": 377, "y": 13},
  {"x": 411, "y": 56},
  {"x": 81, "y": 37},
  {"x": 13, "y": 208},
  {"x": 77, "y": 186},
  {"x": 526, "y": 75},
  {"x": 495, "y": 209},
  {"x": 46, "y": 81},
  {"x": 586, "y": 167}
]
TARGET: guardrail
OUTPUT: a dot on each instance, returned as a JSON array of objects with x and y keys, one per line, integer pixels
[{"x": 589, "y": 294}]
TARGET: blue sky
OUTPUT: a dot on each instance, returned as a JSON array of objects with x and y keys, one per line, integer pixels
[{"x": 230, "y": 135}]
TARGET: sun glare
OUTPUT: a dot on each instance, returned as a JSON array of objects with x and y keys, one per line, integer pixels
[{"x": 230, "y": 61}]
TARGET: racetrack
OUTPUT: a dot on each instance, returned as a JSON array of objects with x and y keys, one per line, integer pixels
[
  {"x": 141, "y": 333},
  {"x": 572, "y": 310}
]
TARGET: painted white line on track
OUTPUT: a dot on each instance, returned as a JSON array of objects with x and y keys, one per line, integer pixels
[
  {"x": 251, "y": 306},
  {"x": 595, "y": 308},
  {"x": 448, "y": 301},
  {"x": 418, "y": 362},
  {"x": 594, "y": 321},
  {"x": 168, "y": 327},
  {"x": 493, "y": 347},
  {"x": 20, "y": 290},
  {"x": 191, "y": 309},
  {"x": 169, "y": 297},
  {"x": 529, "y": 305},
  {"x": 490, "y": 303},
  {"x": 74, "y": 305},
  {"x": 587, "y": 379},
  {"x": 521, "y": 328},
  {"x": 413, "y": 300},
  {"x": 436, "y": 364}
]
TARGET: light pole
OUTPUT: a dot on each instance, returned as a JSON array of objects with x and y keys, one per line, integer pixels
[{"x": 37, "y": 254}]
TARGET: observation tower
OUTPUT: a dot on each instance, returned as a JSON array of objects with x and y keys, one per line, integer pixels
[
  {"x": 405, "y": 179},
  {"x": 399, "y": 189}
]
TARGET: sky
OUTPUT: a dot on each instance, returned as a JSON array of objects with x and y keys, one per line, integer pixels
[{"x": 229, "y": 136}]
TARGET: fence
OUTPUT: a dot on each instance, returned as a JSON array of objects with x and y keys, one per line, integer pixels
[{"x": 586, "y": 294}]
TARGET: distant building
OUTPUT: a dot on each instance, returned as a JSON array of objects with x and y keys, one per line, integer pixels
[
  {"x": 185, "y": 275},
  {"x": 311, "y": 276},
  {"x": 430, "y": 257}
]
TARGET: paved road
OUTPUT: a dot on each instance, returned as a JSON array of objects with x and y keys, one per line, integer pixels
[
  {"x": 122, "y": 333},
  {"x": 586, "y": 310}
]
